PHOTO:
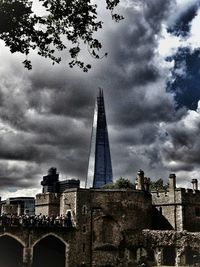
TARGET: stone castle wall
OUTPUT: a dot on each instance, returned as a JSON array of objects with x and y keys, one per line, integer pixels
[
  {"x": 107, "y": 221},
  {"x": 47, "y": 204},
  {"x": 130, "y": 208},
  {"x": 101, "y": 217},
  {"x": 191, "y": 209},
  {"x": 180, "y": 207},
  {"x": 123, "y": 205},
  {"x": 9, "y": 209}
]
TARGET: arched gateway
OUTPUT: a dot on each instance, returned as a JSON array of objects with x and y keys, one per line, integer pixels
[
  {"x": 11, "y": 251},
  {"x": 49, "y": 251},
  {"x": 29, "y": 247}
]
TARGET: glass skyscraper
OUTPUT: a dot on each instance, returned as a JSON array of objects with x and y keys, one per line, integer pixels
[{"x": 100, "y": 167}]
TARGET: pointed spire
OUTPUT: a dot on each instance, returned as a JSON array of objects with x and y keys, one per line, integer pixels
[{"x": 100, "y": 149}]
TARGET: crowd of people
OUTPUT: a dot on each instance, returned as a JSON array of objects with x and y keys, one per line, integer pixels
[{"x": 36, "y": 220}]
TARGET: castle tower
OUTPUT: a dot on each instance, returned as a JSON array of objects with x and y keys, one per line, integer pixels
[{"x": 99, "y": 167}]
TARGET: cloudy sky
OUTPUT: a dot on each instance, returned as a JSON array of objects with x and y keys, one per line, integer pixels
[{"x": 151, "y": 81}]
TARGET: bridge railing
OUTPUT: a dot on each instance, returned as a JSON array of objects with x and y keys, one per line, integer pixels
[{"x": 12, "y": 220}]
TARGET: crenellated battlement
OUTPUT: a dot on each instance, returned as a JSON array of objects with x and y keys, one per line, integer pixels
[
  {"x": 47, "y": 199},
  {"x": 185, "y": 191},
  {"x": 190, "y": 192}
]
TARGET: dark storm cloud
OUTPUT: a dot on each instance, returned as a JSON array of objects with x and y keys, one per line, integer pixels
[
  {"x": 181, "y": 147},
  {"x": 40, "y": 135},
  {"x": 48, "y": 144},
  {"x": 13, "y": 175},
  {"x": 185, "y": 82},
  {"x": 141, "y": 108},
  {"x": 132, "y": 59},
  {"x": 74, "y": 101},
  {"x": 144, "y": 134},
  {"x": 182, "y": 24},
  {"x": 49, "y": 114},
  {"x": 133, "y": 77}
]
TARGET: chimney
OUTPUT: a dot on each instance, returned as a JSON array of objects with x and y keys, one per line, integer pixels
[
  {"x": 146, "y": 184},
  {"x": 140, "y": 180},
  {"x": 172, "y": 181},
  {"x": 172, "y": 187},
  {"x": 194, "y": 184}
]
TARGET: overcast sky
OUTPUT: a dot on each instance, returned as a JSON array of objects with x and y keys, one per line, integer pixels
[{"x": 151, "y": 83}]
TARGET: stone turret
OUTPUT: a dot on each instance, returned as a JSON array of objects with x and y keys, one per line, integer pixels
[
  {"x": 172, "y": 187},
  {"x": 140, "y": 180},
  {"x": 194, "y": 184},
  {"x": 172, "y": 181}
]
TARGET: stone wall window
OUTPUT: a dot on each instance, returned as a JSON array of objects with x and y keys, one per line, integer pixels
[
  {"x": 84, "y": 209},
  {"x": 84, "y": 229},
  {"x": 83, "y": 247},
  {"x": 197, "y": 212}
]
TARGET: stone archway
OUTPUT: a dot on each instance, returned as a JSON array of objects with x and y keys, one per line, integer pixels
[
  {"x": 49, "y": 251},
  {"x": 11, "y": 252}
]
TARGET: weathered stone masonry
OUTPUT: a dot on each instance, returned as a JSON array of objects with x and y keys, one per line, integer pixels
[
  {"x": 29, "y": 237},
  {"x": 120, "y": 228}
]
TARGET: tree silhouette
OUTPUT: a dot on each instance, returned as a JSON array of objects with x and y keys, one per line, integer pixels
[
  {"x": 120, "y": 183},
  {"x": 76, "y": 21},
  {"x": 158, "y": 185}
]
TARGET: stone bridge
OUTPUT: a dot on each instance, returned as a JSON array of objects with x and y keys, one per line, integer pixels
[
  {"x": 27, "y": 246},
  {"x": 57, "y": 246}
]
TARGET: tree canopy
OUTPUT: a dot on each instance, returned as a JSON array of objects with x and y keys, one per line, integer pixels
[
  {"x": 121, "y": 183},
  {"x": 158, "y": 185},
  {"x": 76, "y": 21}
]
